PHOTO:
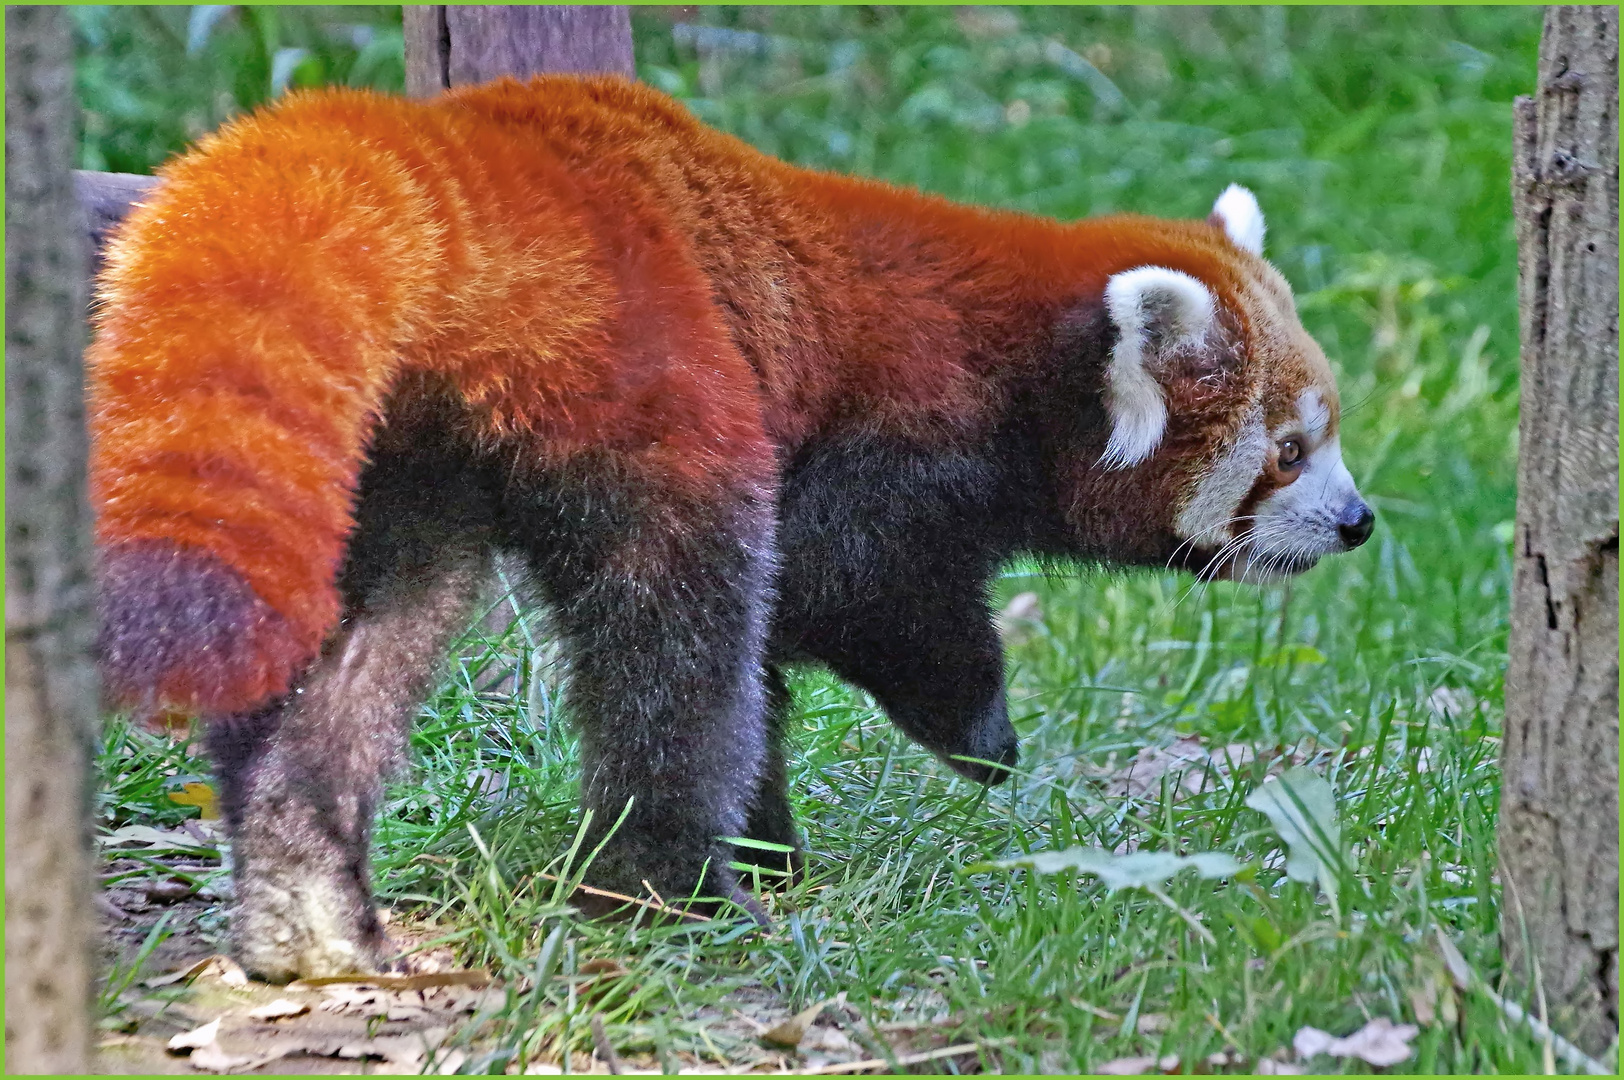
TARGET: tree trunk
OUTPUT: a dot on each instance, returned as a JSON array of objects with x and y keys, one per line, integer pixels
[
  {"x": 105, "y": 197},
  {"x": 50, "y": 678},
  {"x": 455, "y": 45},
  {"x": 1559, "y": 808}
]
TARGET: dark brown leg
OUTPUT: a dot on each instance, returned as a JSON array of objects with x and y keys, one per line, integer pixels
[
  {"x": 301, "y": 802},
  {"x": 770, "y": 817},
  {"x": 300, "y": 781},
  {"x": 661, "y": 603}
]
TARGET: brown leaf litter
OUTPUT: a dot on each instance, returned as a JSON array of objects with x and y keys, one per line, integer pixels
[
  {"x": 1193, "y": 766},
  {"x": 229, "y": 1024}
]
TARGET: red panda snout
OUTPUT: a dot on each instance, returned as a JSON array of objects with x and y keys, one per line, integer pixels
[{"x": 1300, "y": 501}]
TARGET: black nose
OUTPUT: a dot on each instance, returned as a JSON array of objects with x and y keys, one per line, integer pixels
[{"x": 1356, "y": 522}]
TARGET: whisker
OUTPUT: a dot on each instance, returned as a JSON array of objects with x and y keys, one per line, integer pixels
[
  {"x": 1272, "y": 555},
  {"x": 1356, "y": 406},
  {"x": 1263, "y": 540},
  {"x": 1208, "y": 574},
  {"x": 1192, "y": 541}
]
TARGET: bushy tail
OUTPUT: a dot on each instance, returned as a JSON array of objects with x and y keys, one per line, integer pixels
[{"x": 250, "y": 316}]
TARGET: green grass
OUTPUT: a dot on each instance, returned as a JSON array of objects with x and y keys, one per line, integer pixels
[{"x": 1378, "y": 142}]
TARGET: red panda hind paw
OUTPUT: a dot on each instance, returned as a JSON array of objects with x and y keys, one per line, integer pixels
[{"x": 183, "y": 632}]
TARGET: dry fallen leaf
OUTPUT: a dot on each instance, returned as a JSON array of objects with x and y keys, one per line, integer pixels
[
  {"x": 168, "y": 891},
  {"x": 371, "y": 1001},
  {"x": 176, "y": 976},
  {"x": 426, "y": 980},
  {"x": 197, "y": 1037},
  {"x": 487, "y": 783},
  {"x": 200, "y": 795},
  {"x": 1451, "y": 701},
  {"x": 214, "y": 1058},
  {"x": 597, "y": 975},
  {"x": 1432, "y": 991},
  {"x": 408, "y": 1050},
  {"x": 374, "y": 1003},
  {"x": 1202, "y": 767},
  {"x": 1380, "y": 1042},
  {"x": 280, "y": 1009},
  {"x": 231, "y": 973},
  {"x": 217, "y": 966},
  {"x": 1153, "y": 1023},
  {"x": 1424, "y": 1001},
  {"x": 152, "y": 839},
  {"x": 881, "y": 1065},
  {"x": 1136, "y": 870},
  {"x": 791, "y": 1031},
  {"x": 826, "y": 1040},
  {"x": 601, "y": 965}
]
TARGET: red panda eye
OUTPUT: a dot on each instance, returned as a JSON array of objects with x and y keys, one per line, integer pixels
[{"x": 1291, "y": 453}]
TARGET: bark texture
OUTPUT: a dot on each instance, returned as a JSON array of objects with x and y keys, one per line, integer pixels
[
  {"x": 455, "y": 45},
  {"x": 1559, "y": 810},
  {"x": 50, "y": 678}
]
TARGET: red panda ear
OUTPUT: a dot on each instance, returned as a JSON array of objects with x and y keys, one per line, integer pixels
[
  {"x": 1157, "y": 312},
  {"x": 1238, "y": 214}
]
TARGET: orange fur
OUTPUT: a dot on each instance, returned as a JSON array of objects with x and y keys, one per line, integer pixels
[{"x": 587, "y": 266}]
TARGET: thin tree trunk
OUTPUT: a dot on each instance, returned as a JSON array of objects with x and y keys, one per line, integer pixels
[
  {"x": 1559, "y": 809},
  {"x": 456, "y": 45},
  {"x": 50, "y": 678}
]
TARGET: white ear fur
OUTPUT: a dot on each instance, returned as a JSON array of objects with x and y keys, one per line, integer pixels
[
  {"x": 1241, "y": 217},
  {"x": 1155, "y": 310}
]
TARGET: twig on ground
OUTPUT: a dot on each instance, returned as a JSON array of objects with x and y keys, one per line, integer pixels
[
  {"x": 903, "y": 1059},
  {"x": 1465, "y": 978},
  {"x": 605, "y": 893},
  {"x": 1575, "y": 1057}
]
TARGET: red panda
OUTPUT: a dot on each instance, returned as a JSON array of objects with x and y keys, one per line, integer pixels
[{"x": 731, "y": 414}]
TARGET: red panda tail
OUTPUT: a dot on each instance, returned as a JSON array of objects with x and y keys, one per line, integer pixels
[{"x": 251, "y": 312}]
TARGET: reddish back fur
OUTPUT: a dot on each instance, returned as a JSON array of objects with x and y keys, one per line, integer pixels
[{"x": 588, "y": 265}]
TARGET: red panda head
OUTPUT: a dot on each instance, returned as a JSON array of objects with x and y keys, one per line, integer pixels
[{"x": 1221, "y": 419}]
